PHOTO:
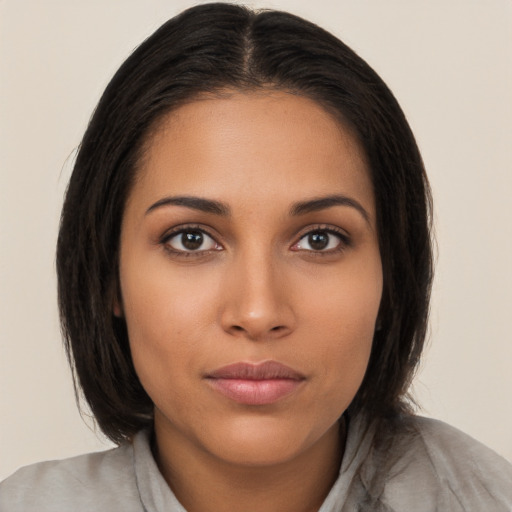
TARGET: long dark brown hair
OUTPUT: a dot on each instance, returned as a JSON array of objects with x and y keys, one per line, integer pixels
[{"x": 207, "y": 49}]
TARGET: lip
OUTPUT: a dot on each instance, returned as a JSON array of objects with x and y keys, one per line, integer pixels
[{"x": 255, "y": 384}]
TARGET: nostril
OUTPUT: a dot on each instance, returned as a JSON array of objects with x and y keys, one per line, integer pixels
[{"x": 239, "y": 329}]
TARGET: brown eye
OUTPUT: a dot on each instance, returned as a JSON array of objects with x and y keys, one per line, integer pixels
[
  {"x": 318, "y": 241},
  {"x": 321, "y": 240},
  {"x": 191, "y": 240}
]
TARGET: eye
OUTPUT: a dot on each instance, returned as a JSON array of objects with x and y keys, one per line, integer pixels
[
  {"x": 190, "y": 240},
  {"x": 322, "y": 240}
]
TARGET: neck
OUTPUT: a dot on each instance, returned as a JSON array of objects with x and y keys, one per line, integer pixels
[{"x": 203, "y": 483}]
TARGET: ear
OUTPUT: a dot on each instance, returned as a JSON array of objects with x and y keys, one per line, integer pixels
[
  {"x": 117, "y": 308},
  {"x": 378, "y": 322},
  {"x": 117, "y": 302}
]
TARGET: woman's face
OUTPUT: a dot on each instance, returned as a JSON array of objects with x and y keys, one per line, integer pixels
[{"x": 250, "y": 276}]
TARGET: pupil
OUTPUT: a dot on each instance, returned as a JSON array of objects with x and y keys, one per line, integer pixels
[
  {"x": 318, "y": 240},
  {"x": 192, "y": 240}
]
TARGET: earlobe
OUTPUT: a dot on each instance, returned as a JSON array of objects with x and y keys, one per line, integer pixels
[
  {"x": 117, "y": 308},
  {"x": 378, "y": 323},
  {"x": 117, "y": 303}
]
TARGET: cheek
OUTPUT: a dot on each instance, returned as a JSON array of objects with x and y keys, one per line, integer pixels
[
  {"x": 167, "y": 314},
  {"x": 347, "y": 301},
  {"x": 341, "y": 317},
  {"x": 159, "y": 301}
]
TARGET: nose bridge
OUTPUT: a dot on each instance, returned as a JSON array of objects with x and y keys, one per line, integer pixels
[{"x": 257, "y": 304}]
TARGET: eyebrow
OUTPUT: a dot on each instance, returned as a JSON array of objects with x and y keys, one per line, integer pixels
[
  {"x": 321, "y": 203},
  {"x": 195, "y": 203},
  {"x": 297, "y": 209}
]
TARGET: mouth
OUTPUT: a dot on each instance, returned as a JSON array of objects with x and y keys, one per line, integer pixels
[{"x": 255, "y": 384}]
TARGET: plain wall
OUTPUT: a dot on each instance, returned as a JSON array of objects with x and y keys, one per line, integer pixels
[{"x": 449, "y": 62}]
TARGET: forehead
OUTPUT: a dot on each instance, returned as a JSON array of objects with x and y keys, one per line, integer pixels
[{"x": 264, "y": 146}]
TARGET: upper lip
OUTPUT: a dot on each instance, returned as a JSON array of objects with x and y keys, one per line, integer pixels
[{"x": 256, "y": 371}]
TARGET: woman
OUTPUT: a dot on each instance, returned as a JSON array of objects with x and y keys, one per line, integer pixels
[{"x": 244, "y": 269}]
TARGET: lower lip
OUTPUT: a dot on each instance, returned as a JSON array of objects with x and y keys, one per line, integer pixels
[{"x": 255, "y": 392}]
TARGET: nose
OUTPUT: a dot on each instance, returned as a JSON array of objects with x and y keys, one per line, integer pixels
[{"x": 257, "y": 300}]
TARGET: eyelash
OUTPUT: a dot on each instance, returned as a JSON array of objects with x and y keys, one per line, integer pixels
[
  {"x": 344, "y": 241},
  {"x": 186, "y": 229}
]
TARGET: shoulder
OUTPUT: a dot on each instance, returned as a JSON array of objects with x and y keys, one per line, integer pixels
[
  {"x": 454, "y": 453},
  {"x": 453, "y": 469},
  {"x": 96, "y": 481}
]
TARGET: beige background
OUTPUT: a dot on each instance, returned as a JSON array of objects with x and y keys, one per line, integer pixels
[{"x": 449, "y": 62}]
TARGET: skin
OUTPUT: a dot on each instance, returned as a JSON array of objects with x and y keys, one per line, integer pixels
[{"x": 255, "y": 290}]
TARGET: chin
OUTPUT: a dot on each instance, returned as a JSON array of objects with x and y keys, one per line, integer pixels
[{"x": 260, "y": 442}]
